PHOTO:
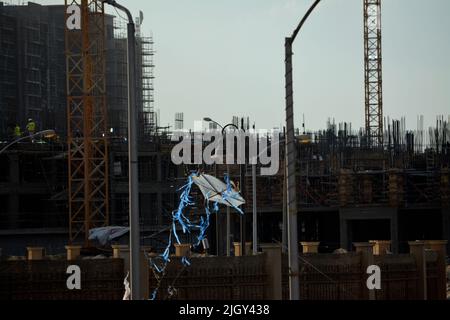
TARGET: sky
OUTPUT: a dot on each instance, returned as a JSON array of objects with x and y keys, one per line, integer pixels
[{"x": 219, "y": 59}]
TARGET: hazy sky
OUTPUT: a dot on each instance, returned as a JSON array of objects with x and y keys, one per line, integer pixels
[{"x": 220, "y": 58}]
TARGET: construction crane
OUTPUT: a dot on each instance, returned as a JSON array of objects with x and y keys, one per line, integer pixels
[
  {"x": 87, "y": 120},
  {"x": 373, "y": 72}
]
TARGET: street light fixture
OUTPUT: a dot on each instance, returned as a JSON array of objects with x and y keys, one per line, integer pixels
[
  {"x": 45, "y": 134},
  {"x": 243, "y": 223},
  {"x": 133, "y": 157},
  {"x": 291, "y": 158}
]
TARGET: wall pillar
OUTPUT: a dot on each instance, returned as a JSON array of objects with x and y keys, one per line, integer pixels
[
  {"x": 417, "y": 250},
  {"x": 274, "y": 272},
  {"x": 73, "y": 252},
  {"x": 440, "y": 247},
  {"x": 310, "y": 247},
  {"x": 35, "y": 253},
  {"x": 381, "y": 248},
  {"x": 367, "y": 259},
  {"x": 182, "y": 250}
]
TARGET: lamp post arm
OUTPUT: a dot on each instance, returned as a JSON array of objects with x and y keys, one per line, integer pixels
[
  {"x": 122, "y": 8},
  {"x": 224, "y": 129},
  {"x": 311, "y": 9},
  {"x": 43, "y": 133},
  {"x": 291, "y": 159}
]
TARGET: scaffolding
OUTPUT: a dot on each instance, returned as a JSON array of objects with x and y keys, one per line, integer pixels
[
  {"x": 117, "y": 84},
  {"x": 147, "y": 83},
  {"x": 179, "y": 121}
]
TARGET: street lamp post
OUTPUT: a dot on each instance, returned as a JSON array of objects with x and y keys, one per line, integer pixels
[
  {"x": 243, "y": 220},
  {"x": 133, "y": 157},
  {"x": 291, "y": 158},
  {"x": 228, "y": 244},
  {"x": 39, "y": 134},
  {"x": 255, "y": 211}
]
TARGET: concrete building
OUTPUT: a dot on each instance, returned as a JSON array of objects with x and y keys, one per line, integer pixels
[
  {"x": 33, "y": 70},
  {"x": 32, "y": 66}
]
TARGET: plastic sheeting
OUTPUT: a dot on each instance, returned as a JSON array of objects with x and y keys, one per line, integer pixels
[{"x": 107, "y": 234}]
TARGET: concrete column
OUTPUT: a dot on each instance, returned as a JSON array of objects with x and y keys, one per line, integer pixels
[
  {"x": 344, "y": 233},
  {"x": 310, "y": 247},
  {"x": 159, "y": 195},
  {"x": 446, "y": 227},
  {"x": 221, "y": 230},
  {"x": 159, "y": 177},
  {"x": 366, "y": 251},
  {"x": 274, "y": 272},
  {"x": 159, "y": 208},
  {"x": 14, "y": 182},
  {"x": 117, "y": 251},
  {"x": 440, "y": 247},
  {"x": 14, "y": 170},
  {"x": 394, "y": 232},
  {"x": 182, "y": 250},
  {"x": 381, "y": 248},
  {"x": 417, "y": 250},
  {"x": 73, "y": 252},
  {"x": 35, "y": 253}
]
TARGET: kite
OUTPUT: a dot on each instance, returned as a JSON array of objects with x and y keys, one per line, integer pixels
[{"x": 215, "y": 192}]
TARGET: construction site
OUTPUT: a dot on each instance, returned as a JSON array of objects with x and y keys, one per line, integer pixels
[{"x": 384, "y": 185}]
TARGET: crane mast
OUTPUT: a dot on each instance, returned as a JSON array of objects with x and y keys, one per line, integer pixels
[
  {"x": 373, "y": 73},
  {"x": 87, "y": 122}
]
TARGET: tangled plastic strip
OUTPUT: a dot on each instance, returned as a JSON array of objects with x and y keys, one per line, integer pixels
[
  {"x": 205, "y": 223},
  {"x": 187, "y": 226},
  {"x": 178, "y": 216}
]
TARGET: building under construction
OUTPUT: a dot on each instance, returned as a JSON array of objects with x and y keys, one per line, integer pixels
[
  {"x": 382, "y": 182},
  {"x": 348, "y": 193},
  {"x": 33, "y": 84}
]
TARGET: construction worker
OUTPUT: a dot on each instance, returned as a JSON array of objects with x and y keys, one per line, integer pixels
[
  {"x": 17, "y": 132},
  {"x": 31, "y": 127}
]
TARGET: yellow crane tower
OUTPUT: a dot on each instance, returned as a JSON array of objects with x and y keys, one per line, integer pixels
[{"x": 86, "y": 118}]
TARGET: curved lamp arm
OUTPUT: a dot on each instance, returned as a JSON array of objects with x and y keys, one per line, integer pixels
[{"x": 42, "y": 133}]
